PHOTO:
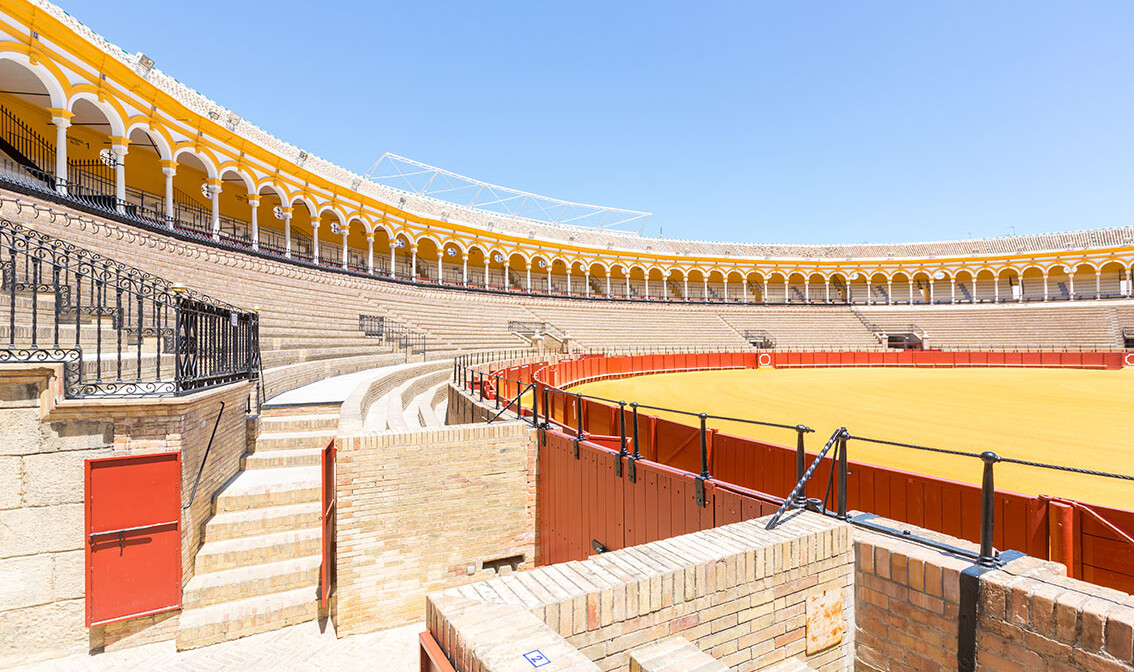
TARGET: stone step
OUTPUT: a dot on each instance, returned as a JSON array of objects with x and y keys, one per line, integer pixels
[
  {"x": 217, "y": 556},
  {"x": 293, "y": 440},
  {"x": 272, "y": 459},
  {"x": 232, "y": 620},
  {"x": 254, "y": 522},
  {"x": 310, "y": 422},
  {"x": 269, "y": 487},
  {"x": 244, "y": 582}
]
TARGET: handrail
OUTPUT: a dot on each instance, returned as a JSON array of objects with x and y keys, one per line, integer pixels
[
  {"x": 515, "y": 400},
  {"x": 794, "y": 498},
  {"x": 201, "y": 469}
]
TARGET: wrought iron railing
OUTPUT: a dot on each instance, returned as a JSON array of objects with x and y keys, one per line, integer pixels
[
  {"x": 391, "y": 332},
  {"x": 117, "y": 330},
  {"x": 760, "y": 338},
  {"x": 372, "y": 326}
]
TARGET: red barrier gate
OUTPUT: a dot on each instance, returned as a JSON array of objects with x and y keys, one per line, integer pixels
[{"x": 133, "y": 526}]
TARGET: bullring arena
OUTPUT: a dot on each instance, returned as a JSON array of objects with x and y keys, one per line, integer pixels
[{"x": 258, "y": 410}]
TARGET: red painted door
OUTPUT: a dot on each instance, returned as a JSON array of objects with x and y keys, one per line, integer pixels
[{"x": 133, "y": 526}]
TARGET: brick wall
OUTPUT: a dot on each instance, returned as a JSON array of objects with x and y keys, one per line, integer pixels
[
  {"x": 1030, "y": 616},
  {"x": 738, "y": 592},
  {"x": 423, "y": 511},
  {"x": 47, "y": 441}
]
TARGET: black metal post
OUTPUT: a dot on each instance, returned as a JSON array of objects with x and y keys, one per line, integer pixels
[
  {"x": 842, "y": 505},
  {"x": 535, "y": 404},
  {"x": 987, "y": 510},
  {"x": 579, "y": 415},
  {"x": 621, "y": 438},
  {"x": 497, "y": 395},
  {"x": 800, "y": 457},
  {"x": 480, "y": 378},
  {"x": 633, "y": 461},
  {"x": 704, "y": 461}
]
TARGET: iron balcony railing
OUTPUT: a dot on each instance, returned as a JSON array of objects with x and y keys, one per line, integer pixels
[{"x": 117, "y": 330}]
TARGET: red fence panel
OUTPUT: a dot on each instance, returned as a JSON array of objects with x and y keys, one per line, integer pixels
[
  {"x": 133, "y": 526},
  {"x": 677, "y": 445}
]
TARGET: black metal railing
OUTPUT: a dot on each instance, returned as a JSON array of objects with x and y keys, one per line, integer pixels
[
  {"x": 987, "y": 555},
  {"x": 372, "y": 326},
  {"x": 760, "y": 338},
  {"x": 391, "y": 332},
  {"x": 118, "y": 331}
]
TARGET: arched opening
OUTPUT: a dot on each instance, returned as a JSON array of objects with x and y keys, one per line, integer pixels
[
  {"x": 477, "y": 265},
  {"x": 1031, "y": 284},
  {"x": 26, "y": 95},
  {"x": 453, "y": 266},
  {"x": 559, "y": 277},
  {"x": 736, "y": 287},
  {"x": 878, "y": 291},
  {"x": 192, "y": 202},
  {"x": 235, "y": 208},
  {"x": 674, "y": 284},
  {"x": 755, "y": 287},
  {"x": 961, "y": 291},
  {"x": 596, "y": 274},
  {"x": 541, "y": 275},
  {"x": 618, "y": 276},
  {"x": 659, "y": 291},
  {"x": 94, "y": 160},
  {"x": 429, "y": 261},
  {"x": 519, "y": 278},
  {"x": 1112, "y": 280},
  {"x": 900, "y": 288},
  {"x": 695, "y": 285},
  {"x": 816, "y": 290},
  {"x": 1008, "y": 286},
  {"x": 637, "y": 282},
  {"x": 269, "y": 221},
  {"x": 401, "y": 256},
  {"x": 840, "y": 291},
  {"x": 1058, "y": 284},
  {"x": 924, "y": 289},
  {"x": 984, "y": 286},
  {"x": 776, "y": 288},
  {"x": 145, "y": 181},
  {"x": 716, "y": 290},
  {"x": 1084, "y": 282}
]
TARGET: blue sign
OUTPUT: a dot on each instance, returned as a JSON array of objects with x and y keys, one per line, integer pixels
[{"x": 536, "y": 658}]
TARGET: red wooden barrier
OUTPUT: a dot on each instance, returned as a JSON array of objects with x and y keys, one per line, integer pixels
[{"x": 584, "y": 501}]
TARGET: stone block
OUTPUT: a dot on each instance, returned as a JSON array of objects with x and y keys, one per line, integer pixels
[
  {"x": 46, "y": 529},
  {"x": 47, "y": 631},
  {"x": 24, "y": 582}
]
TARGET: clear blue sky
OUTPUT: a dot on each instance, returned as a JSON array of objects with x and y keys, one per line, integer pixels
[{"x": 771, "y": 121}]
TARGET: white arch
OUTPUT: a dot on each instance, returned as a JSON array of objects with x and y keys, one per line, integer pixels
[
  {"x": 163, "y": 149},
  {"x": 210, "y": 167},
  {"x": 249, "y": 183},
  {"x": 117, "y": 127},
  {"x": 46, "y": 78}
]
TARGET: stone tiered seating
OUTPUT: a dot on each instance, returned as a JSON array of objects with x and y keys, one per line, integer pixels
[
  {"x": 1067, "y": 325},
  {"x": 815, "y": 327},
  {"x": 640, "y": 325}
]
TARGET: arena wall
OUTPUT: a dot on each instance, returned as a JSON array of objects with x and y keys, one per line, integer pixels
[
  {"x": 428, "y": 510},
  {"x": 47, "y": 441},
  {"x": 745, "y": 595}
]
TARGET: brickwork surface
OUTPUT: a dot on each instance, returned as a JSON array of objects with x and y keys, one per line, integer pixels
[
  {"x": 1031, "y": 616},
  {"x": 47, "y": 441},
  {"x": 737, "y": 592},
  {"x": 424, "y": 511}
]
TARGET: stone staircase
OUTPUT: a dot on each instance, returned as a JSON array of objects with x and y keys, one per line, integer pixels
[{"x": 258, "y": 568}]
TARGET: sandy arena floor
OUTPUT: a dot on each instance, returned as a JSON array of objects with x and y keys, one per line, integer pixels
[{"x": 1077, "y": 418}]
